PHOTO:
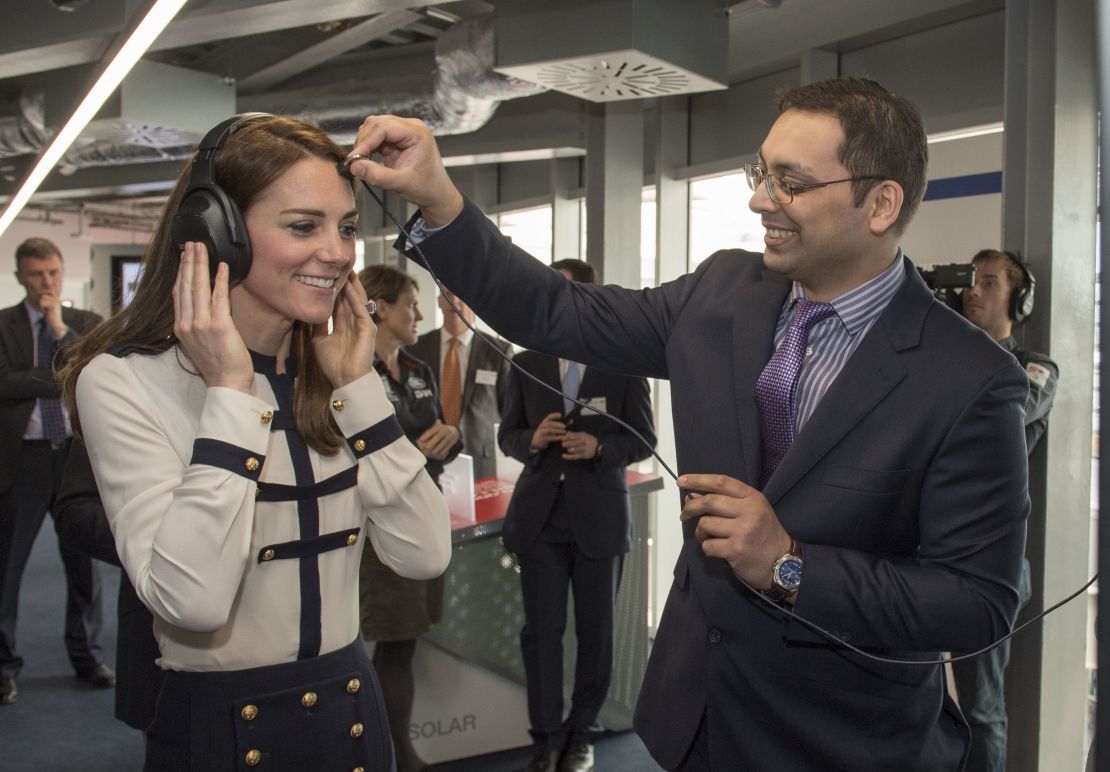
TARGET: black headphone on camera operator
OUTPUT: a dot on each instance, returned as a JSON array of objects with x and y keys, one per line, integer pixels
[{"x": 206, "y": 212}]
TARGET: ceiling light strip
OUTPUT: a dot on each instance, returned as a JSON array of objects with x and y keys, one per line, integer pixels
[{"x": 147, "y": 31}]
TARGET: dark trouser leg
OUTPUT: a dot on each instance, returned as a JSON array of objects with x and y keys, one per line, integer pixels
[
  {"x": 980, "y": 688},
  {"x": 84, "y": 617},
  {"x": 595, "y": 583},
  {"x": 544, "y": 580},
  {"x": 22, "y": 509},
  {"x": 393, "y": 663}
]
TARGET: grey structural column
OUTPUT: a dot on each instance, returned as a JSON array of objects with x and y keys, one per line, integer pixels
[
  {"x": 1048, "y": 204},
  {"x": 672, "y": 239},
  {"x": 614, "y": 179},
  {"x": 566, "y": 212}
]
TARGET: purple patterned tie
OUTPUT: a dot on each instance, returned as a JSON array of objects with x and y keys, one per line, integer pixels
[
  {"x": 777, "y": 384},
  {"x": 50, "y": 409}
]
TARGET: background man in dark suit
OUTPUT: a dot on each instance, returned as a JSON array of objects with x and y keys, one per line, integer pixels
[
  {"x": 570, "y": 522},
  {"x": 82, "y": 525},
  {"x": 883, "y": 495},
  {"x": 480, "y": 387},
  {"x": 34, "y": 439}
]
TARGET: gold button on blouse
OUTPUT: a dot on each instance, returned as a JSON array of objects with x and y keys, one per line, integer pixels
[
  {"x": 360, "y": 445},
  {"x": 309, "y": 699},
  {"x": 352, "y": 538},
  {"x": 353, "y": 686},
  {"x": 359, "y": 769},
  {"x": 356, "y": 730},
  {"x": 267, "y": 416},
  {"x": 337, "y": 404},
  {"x": 268, "y": 555},
  {"x": 252, "y": 464},
  {"x": 253, "y": 757},
  {"x": 248, "y": 712}
]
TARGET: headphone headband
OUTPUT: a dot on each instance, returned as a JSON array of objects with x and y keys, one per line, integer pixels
[
  {"x": 204, "y": 162},
  {"x": 207, "y": 213}
]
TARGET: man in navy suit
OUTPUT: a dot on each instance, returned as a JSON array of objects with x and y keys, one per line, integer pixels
[
  {"x": 570, "y": 522},
  {"x": 894, "y": 519},
  {"x": 481, "y": 383},
  {"x": 34, "y": 439}
]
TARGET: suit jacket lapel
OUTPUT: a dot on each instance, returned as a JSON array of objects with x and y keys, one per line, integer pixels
[
  {"x": 753, "y": 341},
  {"x": 872, "y": 371},
  {"x": 18, "y": 330},
  {"x": 549, "y": 374},
  {"x": 471, "y": 371}
]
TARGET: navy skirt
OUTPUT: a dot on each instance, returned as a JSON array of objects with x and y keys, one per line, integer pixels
[{"x": 324, "y": 713}]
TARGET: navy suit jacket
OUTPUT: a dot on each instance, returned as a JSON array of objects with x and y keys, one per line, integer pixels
[
  {"x": 481, "y": 402},
  {"x": 21, "y": 383},
  {"x": 907, "y": 486},
  {"x": 595, "y": 492}
]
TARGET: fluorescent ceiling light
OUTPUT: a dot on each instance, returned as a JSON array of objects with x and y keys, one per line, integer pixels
[
  {"x": 147, "y": 31},
  {"x": 973, "y": 131},
  {"x": 442, "y": 15}
]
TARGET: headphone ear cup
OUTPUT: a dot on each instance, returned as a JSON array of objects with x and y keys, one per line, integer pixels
[
  {"x": 208, "y": 215},
  {"x": 1021, "y": 303}
]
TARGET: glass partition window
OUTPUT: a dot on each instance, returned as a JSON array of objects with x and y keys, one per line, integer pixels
[
  {"x": 720, "y": 218},
  {"x": 530, "y": 229}
]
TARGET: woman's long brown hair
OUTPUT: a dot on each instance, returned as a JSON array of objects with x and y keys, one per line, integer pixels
[{"x": 249, "y": 161}]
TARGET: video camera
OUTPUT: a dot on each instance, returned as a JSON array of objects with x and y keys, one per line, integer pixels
[{"x": 944, "y": 280}]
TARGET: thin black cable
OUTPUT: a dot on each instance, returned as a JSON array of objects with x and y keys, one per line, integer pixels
[{"x": 831, "y": 637}]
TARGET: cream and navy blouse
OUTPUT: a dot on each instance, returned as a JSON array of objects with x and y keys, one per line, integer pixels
[{"x": 244, "y": 542}]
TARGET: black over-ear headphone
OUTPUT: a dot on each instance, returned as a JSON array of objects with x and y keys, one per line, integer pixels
[
  {"x": 207, "y": 213},
  {"x": 1021, "y": 296}
]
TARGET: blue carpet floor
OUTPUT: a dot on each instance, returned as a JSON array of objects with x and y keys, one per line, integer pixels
[{"x": 62, "y": 724}]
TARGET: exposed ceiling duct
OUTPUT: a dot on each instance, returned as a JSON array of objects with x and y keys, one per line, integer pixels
[
  {"x": 460, "y": 97},
  {"x": 611, "y": 50}
]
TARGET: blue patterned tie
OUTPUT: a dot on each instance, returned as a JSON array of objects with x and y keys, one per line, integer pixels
[
  {"x": 778, "y": 383},
  {"x": 570, "y": 386},
  {"x": 50, "y": 408}
]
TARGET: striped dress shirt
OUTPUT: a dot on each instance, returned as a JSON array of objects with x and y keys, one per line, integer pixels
[{"x": 832, "y": 340}]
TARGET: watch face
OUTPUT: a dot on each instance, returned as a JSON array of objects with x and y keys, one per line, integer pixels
[{"x": 789, "y": 573}]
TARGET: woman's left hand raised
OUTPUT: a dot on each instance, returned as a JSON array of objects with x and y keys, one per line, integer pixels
[{"x": 346, "y": 352}]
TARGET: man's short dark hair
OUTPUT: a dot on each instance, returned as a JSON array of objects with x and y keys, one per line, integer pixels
[
  {"x": 37, "y": 248},
  {"x": 883, "y": 134},
  {"x": 579, "y": 270},
  {"x": 1015, "y": 273}
]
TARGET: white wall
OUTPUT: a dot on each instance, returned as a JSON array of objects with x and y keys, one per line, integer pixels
[
  {"x": 951, "y": 230},
  {"x": 86, "y": 280}
]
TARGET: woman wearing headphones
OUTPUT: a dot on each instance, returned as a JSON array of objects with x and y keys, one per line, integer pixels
[{"x": 244, "y": 453}]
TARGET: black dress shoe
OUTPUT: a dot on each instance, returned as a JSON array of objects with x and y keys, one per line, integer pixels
[
  {"x": 101, "y": 676},
  {"x": 9, "y": 692},
  {"x": 578, "y": 757},
  {"x": 543, "y": 761}
]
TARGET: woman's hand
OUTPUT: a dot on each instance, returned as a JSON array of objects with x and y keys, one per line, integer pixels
[
  {"x": 437, "y": 440},
  {"x": 346, "y": 352},
  {"x": 203, "y": 324}
]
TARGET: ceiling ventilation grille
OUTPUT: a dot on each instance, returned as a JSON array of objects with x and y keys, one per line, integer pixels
[
  {"x": 610, "y": 50},
  {"x": 627, "y": 74}
]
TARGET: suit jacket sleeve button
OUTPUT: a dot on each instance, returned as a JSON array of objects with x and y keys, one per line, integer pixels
[{"x": 715, "y": 635}]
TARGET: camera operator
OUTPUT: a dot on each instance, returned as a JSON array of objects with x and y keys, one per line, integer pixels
[{"x": 1002, "y": 295}]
